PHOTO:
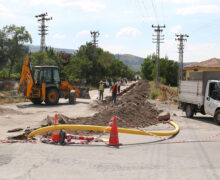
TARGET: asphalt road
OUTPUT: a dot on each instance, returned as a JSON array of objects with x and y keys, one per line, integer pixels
[{"x": 140, "y": 157}]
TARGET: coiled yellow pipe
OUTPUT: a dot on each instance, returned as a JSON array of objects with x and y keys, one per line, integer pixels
[{"x": 102, "y": 128}]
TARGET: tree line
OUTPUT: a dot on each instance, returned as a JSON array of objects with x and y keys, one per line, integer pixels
[
  {"x": 168, "y": 70},
  {"x": 82, "y": 65}
]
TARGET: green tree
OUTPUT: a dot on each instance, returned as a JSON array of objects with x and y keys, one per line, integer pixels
[
  {"x": 15, "y": 39},
  {"x": 3, "y": 49},
  {"x": 147, "y": 67},
  {"x": 168, "y": 70}
]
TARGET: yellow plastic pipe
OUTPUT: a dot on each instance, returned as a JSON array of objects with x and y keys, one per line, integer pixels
[{"x": 102, "y": 128}]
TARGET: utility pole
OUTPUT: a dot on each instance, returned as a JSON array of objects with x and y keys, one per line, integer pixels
[
  {"x": 181, "y": 38},
  {"x": 94, "y": 35},
  {"x": 158, "y": 29},
  {"x": 43, "y": 29}
]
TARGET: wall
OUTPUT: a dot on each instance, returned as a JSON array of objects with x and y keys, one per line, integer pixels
[{"x": 201, "y": 69}]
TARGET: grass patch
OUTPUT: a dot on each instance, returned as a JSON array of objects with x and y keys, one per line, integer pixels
[{"x": 163, "y": 93}]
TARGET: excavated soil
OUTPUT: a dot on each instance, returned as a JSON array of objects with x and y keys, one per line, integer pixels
[{"x": 132, "y": 106}]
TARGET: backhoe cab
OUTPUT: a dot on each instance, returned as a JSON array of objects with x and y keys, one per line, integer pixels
[{"x": 44, "y": 84}]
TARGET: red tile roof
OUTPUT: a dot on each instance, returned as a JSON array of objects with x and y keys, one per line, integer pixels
[{"x": 214, "y": 62}]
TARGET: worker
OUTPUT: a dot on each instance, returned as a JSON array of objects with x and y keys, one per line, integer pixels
[
  {"x": 111, "y": 85},
  {"x": 114, "y": 92},
  {"x": 101, "y": 90}
]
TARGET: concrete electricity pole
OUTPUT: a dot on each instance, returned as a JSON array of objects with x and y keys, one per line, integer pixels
[
  {"x": 43, "y": 29},
  {"x": 181, "y": 38},
  {"x": 158, "y": 29},
  {"x": 94, "y": 35}
]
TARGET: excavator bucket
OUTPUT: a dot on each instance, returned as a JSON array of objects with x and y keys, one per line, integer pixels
[{"x": 84, "y": 93}]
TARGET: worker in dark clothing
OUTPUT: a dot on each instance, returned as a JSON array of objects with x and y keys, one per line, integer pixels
[{"x": 114, "y": 92}]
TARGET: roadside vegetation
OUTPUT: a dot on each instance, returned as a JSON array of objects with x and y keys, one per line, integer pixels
[
  {"x": 164, "y": 93},
  {"x": 168, "y": 70}
]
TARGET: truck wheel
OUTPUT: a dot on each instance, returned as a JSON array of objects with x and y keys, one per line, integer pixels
[
  {"x": 52, "y": 97},
  {"x": 217, "y": 117},
  {"x": 72, "y": 98},
  {"x": 189, "y": 111},
  {"x": 36, "y": 101}
]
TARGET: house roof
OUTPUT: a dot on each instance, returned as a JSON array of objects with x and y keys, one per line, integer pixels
[{"x": 214, "y": 62}]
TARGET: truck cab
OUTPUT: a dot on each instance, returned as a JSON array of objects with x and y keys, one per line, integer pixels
[{"x": 212, "y": 97}]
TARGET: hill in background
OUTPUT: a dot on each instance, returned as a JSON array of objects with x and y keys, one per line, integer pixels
[{"x": 134, "y": 62}]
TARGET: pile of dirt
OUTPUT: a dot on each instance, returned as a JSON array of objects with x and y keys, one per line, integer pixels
[{"x": 132, "y": 106}]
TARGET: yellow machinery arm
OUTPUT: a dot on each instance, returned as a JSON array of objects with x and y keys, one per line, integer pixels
[
  {"x": 26, "y": 78},
  {"x": 27, "y": 83}
]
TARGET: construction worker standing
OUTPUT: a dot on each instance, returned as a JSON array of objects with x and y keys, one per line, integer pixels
[
  {"x": 101, "y": 90},
  {"x": 114, "y": 92}
]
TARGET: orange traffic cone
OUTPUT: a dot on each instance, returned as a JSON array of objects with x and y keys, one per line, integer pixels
[
  {"x": 56, "y": 133},
  {"x": 113, "y": 140}
]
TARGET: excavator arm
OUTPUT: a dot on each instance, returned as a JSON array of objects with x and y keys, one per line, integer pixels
[{"x": 26, "y": 80}]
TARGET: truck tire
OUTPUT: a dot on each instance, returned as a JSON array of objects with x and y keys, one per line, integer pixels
[
  {"x": 36, "y": 101},
  {"x": 189, "y": 111},
  {"x": 72, "y": 98},
  {"x": 217, "y": 117},
  {"x": 52, "y": 97}
]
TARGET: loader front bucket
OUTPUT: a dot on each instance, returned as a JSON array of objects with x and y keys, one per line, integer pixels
[{"x": 84, "y": 93}]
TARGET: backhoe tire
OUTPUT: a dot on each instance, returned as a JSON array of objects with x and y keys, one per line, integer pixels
[
  {"x": 36, "y": 101},
  {"x": 189, "y": 111},
  {"x": 52, "y": 97},
  {"x": 217, "y": 117},
  {"x": 72, "y": 98}
]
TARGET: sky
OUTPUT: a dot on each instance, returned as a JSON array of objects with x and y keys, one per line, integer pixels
[{"x": 125, "y": 26}]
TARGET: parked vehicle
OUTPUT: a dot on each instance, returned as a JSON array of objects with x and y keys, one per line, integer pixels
[{"x": 201, "y": 94}]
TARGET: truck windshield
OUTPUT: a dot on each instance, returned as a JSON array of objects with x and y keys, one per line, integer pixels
[{"x": 214, "y": 90}]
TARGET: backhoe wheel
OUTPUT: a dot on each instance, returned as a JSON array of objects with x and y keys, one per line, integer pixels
[
  {"x": 52, "y": 97},
  {"x": 217, "y": 117},
  {"x": 189, "y": 111},
  {"x": 72, "y": 98},
  {"x": 36, "y": 101}
]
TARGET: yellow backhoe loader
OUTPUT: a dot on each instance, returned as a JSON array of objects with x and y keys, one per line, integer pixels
[{"x": 44, "y": 84}]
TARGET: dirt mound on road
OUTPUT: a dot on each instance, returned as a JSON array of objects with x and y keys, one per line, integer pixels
[{"x": 132, "y": 106}]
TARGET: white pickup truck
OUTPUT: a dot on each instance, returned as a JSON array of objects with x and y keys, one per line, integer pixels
[{"x": 201, "y": 94}]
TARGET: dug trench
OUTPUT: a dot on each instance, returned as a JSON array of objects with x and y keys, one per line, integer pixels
[{"x": 132, "y": 106}]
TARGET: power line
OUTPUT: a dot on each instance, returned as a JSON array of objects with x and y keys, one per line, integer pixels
[
  {"x": 154, "y": 10},
  {"x": 43, "y": 29},
  {"x": 181, "y": 38},
  {"x": 158, "y": 29}
]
